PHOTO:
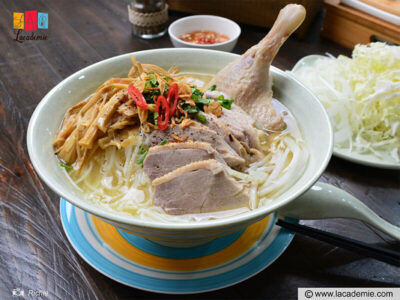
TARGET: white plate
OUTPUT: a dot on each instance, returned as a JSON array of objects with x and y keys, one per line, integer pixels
[{"x": 367, "y": 159}]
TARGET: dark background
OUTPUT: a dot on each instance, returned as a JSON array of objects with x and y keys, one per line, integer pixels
[{"x": 34, "y": 252}]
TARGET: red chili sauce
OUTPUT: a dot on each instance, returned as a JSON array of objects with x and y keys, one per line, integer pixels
[{"x": 204, "y": 37}]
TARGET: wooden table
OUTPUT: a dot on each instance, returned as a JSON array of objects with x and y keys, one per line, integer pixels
[{"x": 34, "y": 252}]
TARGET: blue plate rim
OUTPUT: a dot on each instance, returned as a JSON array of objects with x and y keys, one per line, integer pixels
[{"x": 286, "y": 243}]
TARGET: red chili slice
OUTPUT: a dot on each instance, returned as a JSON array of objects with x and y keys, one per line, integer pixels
[
  {"x": 163, "y": 112},
  {"x": 172, "y": 98},
  {"x": 137, "y": 97}
]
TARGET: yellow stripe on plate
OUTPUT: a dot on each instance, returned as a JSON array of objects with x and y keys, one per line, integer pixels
[{"x": 113, "y": 238}]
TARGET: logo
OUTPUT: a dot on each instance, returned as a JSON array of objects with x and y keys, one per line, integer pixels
[
  {"x": 30, "y": 20},
  {"x": 18, "y": 292}
]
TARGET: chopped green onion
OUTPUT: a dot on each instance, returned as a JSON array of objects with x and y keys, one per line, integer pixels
[
  {"x": 191, "y": 109},
  {"x": 204, "y": 101},
  {"x": 155, "y": 115},
  {"x": 163, "y": 142},
  {"x": 226, "y": 103},
  {"x": 112, "y": 87},
  {"x": 141, "y": 158},
  {"x": 197, "y": 96},
  {"x": 66, "y": 167},
  {"x": 143, "y": 150},
  {"x": 201, "y": 118},
  {"x": 196, "y": 93}
]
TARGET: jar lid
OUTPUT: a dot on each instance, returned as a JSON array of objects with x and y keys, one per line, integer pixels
[{"x": 148, "y": 19}]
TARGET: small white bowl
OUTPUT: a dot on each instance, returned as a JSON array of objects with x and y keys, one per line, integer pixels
[{"x": 205, "y": 22}]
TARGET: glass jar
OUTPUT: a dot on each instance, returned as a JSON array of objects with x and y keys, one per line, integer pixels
[{"x": 149, "y": 18}]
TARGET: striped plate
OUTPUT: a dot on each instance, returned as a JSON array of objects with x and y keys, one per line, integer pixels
[{"x": 142, "y": 264}]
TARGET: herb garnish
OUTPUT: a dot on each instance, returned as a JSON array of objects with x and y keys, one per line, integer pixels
[
  {"x": 149, "y": 95},
  {"x": 197, "y": 96},
  {"x": 155, "y": 115},
  {"x": 227, "y": 103},
  {"x": 201, "y": 118},
  {"x": 151, "y": 83},
  {"x": 204, "y": 101},
  {"x": 212, "y": 88},
  {"x": 163, "y": 142},
  {"x": 190, "y": 109},
  {"x": 66, "y": 167},
  {"x": 196, "y": 93},
  {"x": 149, "y": 92},
  {"x": 143, "y": 150}
]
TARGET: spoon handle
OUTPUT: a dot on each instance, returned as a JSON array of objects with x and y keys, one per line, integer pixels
[{"x": 325, "y": 201}]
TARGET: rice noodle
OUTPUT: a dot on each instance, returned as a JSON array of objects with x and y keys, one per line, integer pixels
[
  {"x": 127, "y": 189},
  {"x": 287, "y": 176}
]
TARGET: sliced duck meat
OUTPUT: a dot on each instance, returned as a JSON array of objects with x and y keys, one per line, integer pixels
[
  {"x": 161, "y": 160},
  {"x": 198, "y": 133},
  {"x": 222, "y": 130},
  {"x": 242, "y": 127},
  {"x": 247, "y": 79},
  {"x": 203, "y": 186}
]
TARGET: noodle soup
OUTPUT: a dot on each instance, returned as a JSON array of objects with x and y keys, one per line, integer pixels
[
  {"x": 166, "y": 146},
  {"x": 114, "y": 178}
]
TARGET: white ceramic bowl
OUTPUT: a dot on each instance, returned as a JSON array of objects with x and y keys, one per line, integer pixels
[
  {"x": 205, "y": 22},
  {"x": 309, "y": 112}
]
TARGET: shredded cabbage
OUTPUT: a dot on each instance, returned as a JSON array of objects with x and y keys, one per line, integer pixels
[{"x": 362, "y": 97}]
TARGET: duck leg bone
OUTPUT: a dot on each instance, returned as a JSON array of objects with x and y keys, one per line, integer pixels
[{"x": 247, "y": 79}]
